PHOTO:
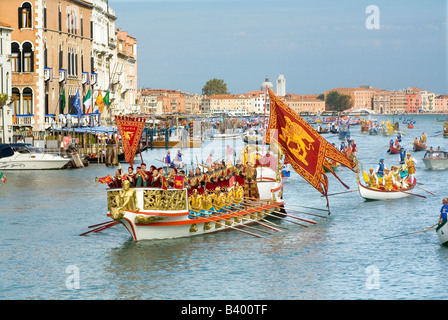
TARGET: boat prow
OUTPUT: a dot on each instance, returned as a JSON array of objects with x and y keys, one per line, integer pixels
[{"x": 442, "y": 232}]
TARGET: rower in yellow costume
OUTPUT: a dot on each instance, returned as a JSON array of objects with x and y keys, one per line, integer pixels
[
  {"x": 229, "y": 198},
  {"x": 195, "y": 203},
  {"x": 410, "y": 163},
  {"x": 207, "y": 203},
  {"x": 219, "y": 200},
  {"x": 372, "y": 179},
  {"x": 388, "y": 180}
]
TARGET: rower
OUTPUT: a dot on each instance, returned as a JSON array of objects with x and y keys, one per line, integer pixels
[
  {"x": 397, "y": 177},
  {"x": 195, "y": 200},
  {"x": 218, "y": 200},
  {"x": 380, "y": 168},
  {"x": 388, "y": 180},
  {"x": 372, "y": 181},
  {"x": 410, "y": 163},
  {"x": 444, "y": 210},
  {"x": 207, "y": 203}
]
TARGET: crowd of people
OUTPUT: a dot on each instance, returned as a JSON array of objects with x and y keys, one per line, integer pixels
[{"x": 211, "y": 188}]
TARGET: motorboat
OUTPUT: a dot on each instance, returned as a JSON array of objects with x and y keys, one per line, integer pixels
[
  {"x": 24, "y": 156},
  {"x": 436, "y": 160}
]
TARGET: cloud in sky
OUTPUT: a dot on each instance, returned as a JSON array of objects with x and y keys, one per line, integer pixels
[{"x": 317, "y": 45}]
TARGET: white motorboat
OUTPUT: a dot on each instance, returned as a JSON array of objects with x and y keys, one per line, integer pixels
[
  {"x": 436, "y": 160},
  {"x": 22, "y": 156}
]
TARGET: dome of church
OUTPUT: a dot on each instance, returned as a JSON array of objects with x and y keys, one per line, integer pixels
[{"x": 267, "y": 83}]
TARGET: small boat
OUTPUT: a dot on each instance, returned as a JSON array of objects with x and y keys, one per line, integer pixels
[
  {"x": 442, "y": 232},
  {"x": 410, "y": 126},
  {"x": 24, "y": 156},
  {"x": 381, "y": 194},
  {"x": 436, "y": 160},
  {"x": 393, "y": 150},
  {"x": 419, "y": 146}
]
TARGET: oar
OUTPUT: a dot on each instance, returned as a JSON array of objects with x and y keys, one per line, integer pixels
[
  {"x": 246, "y": 226},
  {"x": 256, "y": 221},
  {"x": 433, "y": 194},
  {"x": 405, "y": 234},
  {"x": 217, "y": 221},
  {"x": 101, "y": 228},
  {"x": 290, "y": 216},
  {"x": 99, "y": 224},
  {"x": 413, "y": 194},
  {"x": 266, "y": 221},
  {"x": 333, "y": 194},
  {"x": 293, "y": 205}
]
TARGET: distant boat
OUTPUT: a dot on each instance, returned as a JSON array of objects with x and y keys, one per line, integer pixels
[
  {"x": 419, "y": 146},
  {"x": 23, "y": 156},
  {"x": 436, "y": 160}
]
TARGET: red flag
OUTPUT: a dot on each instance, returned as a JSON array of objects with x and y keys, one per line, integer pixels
[
  {"x": 303, "y": 146},
  {"x": 131, "y": 130},
  {"x": 164, "y": 184},
  {"x": 179, "y": 182},
  {"x": 106, "y": 179}
]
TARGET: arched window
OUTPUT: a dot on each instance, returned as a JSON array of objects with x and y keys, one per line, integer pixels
[
  {"x": 27, "y": 101},
  {"x": 16, "y": 99},
  {"x": 25, "y": 16},
  {"x": 16, "y": 57},
  {"x": 28, "y": 59}
]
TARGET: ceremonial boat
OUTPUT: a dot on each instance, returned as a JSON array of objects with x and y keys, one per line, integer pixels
[
  {"x": 436, "y": 160},
  {"x": 419, "y": 146},
  {"x": 154, "y": 213},
  {"x": 23, "y": 156},
  {"x": 442, "y": 232},
  {"x": 382, "y": 194}
]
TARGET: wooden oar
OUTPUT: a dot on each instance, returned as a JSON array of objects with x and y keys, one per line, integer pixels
[
  {"x": 99, "y": 224},
  {"x": 100, "y": 228},
  {"x": 293, "y": 205},
  {"x": 256, "y": 221},
  {"x": 245, "y": 225},
  {"x": 333, "y": 194},
  {"x": 412, "y": 194},
  {"x": 223, "y": 225},
  {"x": 433, "y": 194},
  {"x": 266, "y": 221},
  {"x": 290, "y": 216},
  {"x": 405, "y": 234}
]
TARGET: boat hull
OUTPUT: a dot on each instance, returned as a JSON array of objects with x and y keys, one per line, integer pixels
[
  {"x": 442, "y": 232},
  {"x": 38, "y": 162},
  {"x": 188, "y": 226},
  {"x": 377, "y": 194},
  {"x": 436, "y": 164}
]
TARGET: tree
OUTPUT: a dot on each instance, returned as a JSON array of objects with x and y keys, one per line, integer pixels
[
  {"x": 338, "y": 101},
  {"x": 214, "y": 86}
]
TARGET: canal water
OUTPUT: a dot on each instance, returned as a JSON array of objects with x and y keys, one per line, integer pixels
[{"x": 345, "y": 256}]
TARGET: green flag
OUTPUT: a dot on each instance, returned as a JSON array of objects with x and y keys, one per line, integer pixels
[
  {"x": 106, "y": 98},
  {"x": 63, "y": 100}
]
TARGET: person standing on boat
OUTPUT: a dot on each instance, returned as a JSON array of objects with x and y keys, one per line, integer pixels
[
  {"x": 168, "y": 160},
  {"x": 402, "y": 156},
  {"x": 178, "y": 161},
  {"x": 372, "y": 180},
  {"x": 444, "y": 210},
  {"x": 130, "y": 176},
  {"x": 380, "y": 168},
  {"x": 410, "y": 163},
  {"x": 388, "y": 180},
  {"x": 423, "y": 138}
]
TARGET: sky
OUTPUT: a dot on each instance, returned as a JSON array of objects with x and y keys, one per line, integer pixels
[{"x": 317, "y": 45}]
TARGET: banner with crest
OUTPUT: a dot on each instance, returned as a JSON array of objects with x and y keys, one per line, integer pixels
[
  {"x": 131, "y": 130},
  {"x": 307, "y": 151}
]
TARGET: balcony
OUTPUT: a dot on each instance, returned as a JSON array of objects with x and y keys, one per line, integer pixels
[
  {"x": 23, "y": 119},
  {"x": 63, "y": 75},
  {"x": 93, "y": 78},
  {"x": 85, "y": 78},
  {"x": 48, "y": 74}
]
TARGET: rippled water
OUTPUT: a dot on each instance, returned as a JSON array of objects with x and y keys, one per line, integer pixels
[{"x": 343, "y": 257}]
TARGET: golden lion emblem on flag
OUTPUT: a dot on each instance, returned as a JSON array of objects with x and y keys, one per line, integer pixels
[{"x": 296, "y": 134}]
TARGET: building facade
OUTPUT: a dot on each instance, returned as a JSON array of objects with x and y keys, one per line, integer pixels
[{"x": 5, "y": 84}]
